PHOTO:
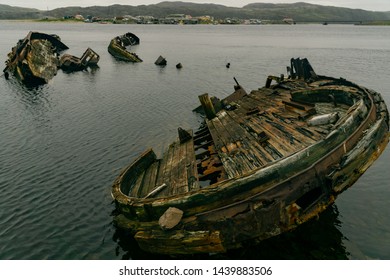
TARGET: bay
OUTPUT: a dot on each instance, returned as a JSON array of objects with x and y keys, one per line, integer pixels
[{"x": 64, "y": 143}]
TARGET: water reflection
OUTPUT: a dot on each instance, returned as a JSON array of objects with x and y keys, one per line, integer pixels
[
  {"x": 319, "y": 239},
  {"x": 64, "y": 143},
  {"x": 34, "y": 99},
  {"x": 91, "y": 69}
]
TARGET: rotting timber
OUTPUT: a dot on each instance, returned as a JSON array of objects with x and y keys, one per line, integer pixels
[
  {"x": 70, "y": 63},
  {"x": 119, "y": 45},
  {"x": 34, "y": 60},
  {"x": 262, "y": 164}
]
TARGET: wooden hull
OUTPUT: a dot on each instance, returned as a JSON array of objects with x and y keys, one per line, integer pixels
[
  {"x": 117, "y": 47},
  {"x": 72, "y": 63},
  {"x": 253, "y": 204},
  {"x": 34, "y": 60}
]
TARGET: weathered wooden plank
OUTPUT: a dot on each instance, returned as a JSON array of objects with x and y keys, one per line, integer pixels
[
  {"x": 174, "y": 169},
  {"x": 202, "y": 138},
  {"x": 135, "y": 190},
  {"x": 283, "y": 134},
  {"x": 165, "y": 170},
  {"x": 248, "y": 142},
  {"x": 170, "y": 175},
  {"x": 289, "y": 129},
  {"x": 261, "y": 144},
  {"x": 191, "y": 167},
  {"x": 165, "y": 242},
  {"x": 218, "y": 143},
  {"x": 179, "y": 180},
  {"x": 248, "y": 104},
  {"x": 281, "y": 129},
  {"x": 236, "y": 161},
  {"x": 224, "y": 135},
  {"x": 284, "y": 142},
  {"x": 262, "y": 99},
  {"x": 228, "y": 163},
  {"x": 263, "y": 150},
  {"x": 139, "y": 165},
  {"x": 240, "y": 115},
  {"x": 149, "y": 181}
]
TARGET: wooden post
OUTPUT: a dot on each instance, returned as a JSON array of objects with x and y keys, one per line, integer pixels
[
  {"x": 207, "y": 105},
  {"x": 184, "y": 135},
  {"x": 270, "y": 78},
  {"x": 268, "y": 82},
  {"x": 237, "y": 86},
  {"x": 299, "y": 68},
  {"x": 293, "y": 70}
]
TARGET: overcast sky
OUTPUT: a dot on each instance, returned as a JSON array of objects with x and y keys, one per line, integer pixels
[{"x": 371, "y": 5}]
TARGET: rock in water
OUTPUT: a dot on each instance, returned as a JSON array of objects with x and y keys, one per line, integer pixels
[
  {"x": 161, "y": 61},
  {"x": 170, "y": 218}
]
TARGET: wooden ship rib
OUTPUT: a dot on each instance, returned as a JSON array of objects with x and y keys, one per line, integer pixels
[
  {"x": 70, "y": 63},
  {"x": 262, "y": 164}
]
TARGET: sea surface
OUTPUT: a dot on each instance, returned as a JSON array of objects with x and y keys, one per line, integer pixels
[{"x": 63, "y": 144}]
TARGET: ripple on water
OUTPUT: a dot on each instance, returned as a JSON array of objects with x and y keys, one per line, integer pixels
[{"x": 63, "y": 144}]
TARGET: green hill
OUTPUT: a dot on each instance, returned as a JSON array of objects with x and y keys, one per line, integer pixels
[
  {"x": 10, "y": 12},
  {"x": 301, "y": 12},
  {"x": 310, "y": 12}
]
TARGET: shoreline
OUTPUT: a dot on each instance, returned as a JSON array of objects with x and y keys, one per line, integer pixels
[{"x": 73, "y": 21}]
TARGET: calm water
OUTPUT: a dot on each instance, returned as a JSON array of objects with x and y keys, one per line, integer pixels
[{"x": 63, "y": 144}]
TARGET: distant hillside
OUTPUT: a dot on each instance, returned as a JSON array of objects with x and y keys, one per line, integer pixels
[
  {"x": 310, "y": 12},
  {"x": 9, "y": 12},
  {"x": 157, "y": 10},
  {"x": 301, "y": 12}
]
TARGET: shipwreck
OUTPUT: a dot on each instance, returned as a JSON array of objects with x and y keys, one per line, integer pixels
[
  {"x": 261, "y": 164},
  {"x": 119, "y": 47},
  {"x": 70, "y": 63},
  {"x": 36, "y": 59}
]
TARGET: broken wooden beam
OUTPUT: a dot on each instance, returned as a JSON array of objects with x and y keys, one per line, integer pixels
[{"x": 207, "y": 106}]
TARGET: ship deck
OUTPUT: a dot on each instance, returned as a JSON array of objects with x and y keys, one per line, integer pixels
[{"x": 256, "y": 130}]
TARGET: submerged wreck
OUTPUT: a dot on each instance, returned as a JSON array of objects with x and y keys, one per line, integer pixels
[
  {"x": 118, "y": 47},
  {"x": 72, "y": 63},
  {"x": 34, "y": 60},
  {"x": 262, "y": 164}
]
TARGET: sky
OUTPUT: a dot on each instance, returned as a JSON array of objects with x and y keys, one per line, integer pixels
[{"x": 370, "y": 5}]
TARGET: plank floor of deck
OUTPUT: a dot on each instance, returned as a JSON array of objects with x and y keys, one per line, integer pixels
[
  {"x": 177, "y": 170},
  {"x": 263, "y": 127}
]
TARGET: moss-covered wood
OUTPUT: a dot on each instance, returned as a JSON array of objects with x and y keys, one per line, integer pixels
[
  {"x": 270, "y": 170},
  {"x": 119, "y": 45}
]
